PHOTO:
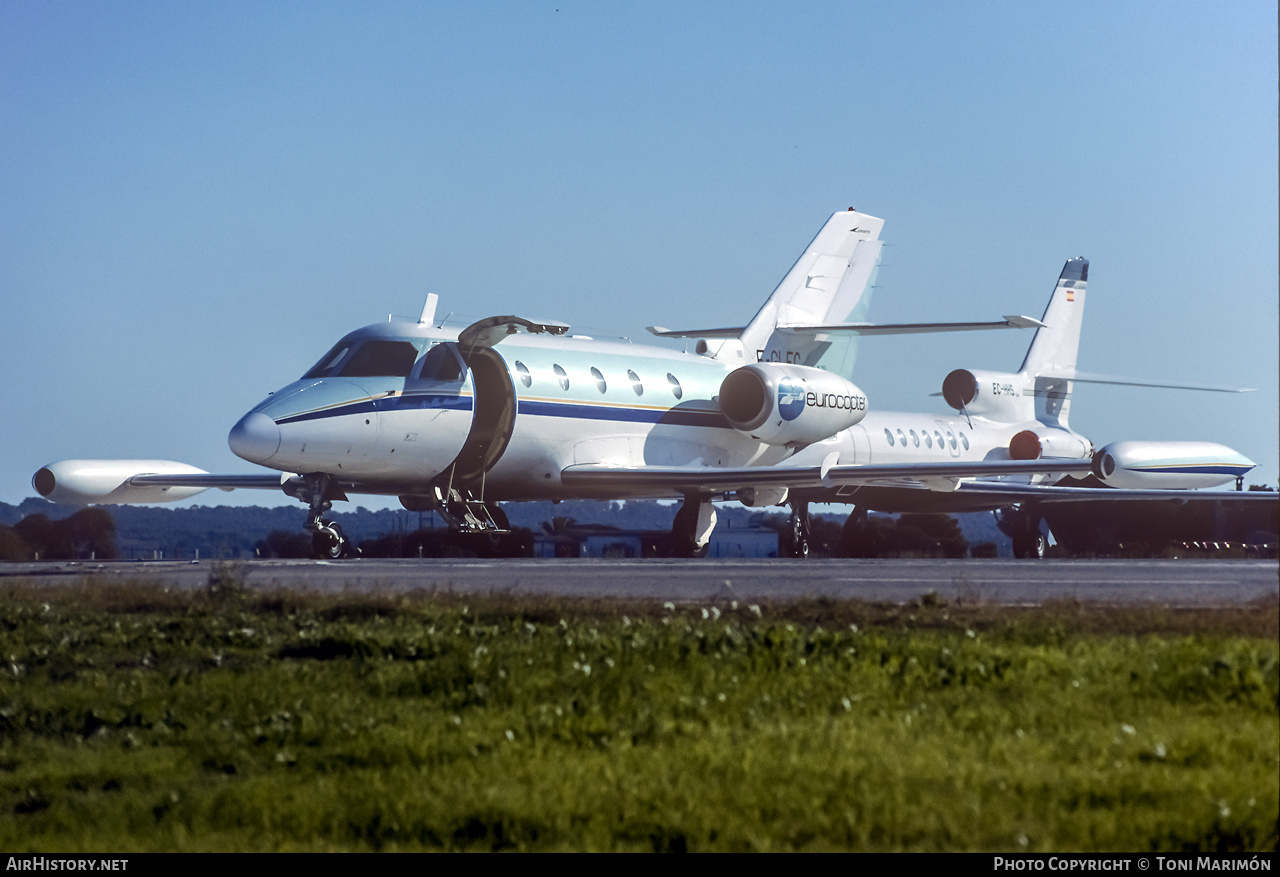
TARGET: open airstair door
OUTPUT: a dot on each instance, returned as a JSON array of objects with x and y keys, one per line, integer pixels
[
  {"x": 494, "y": 419},
  {"x": 495, "y": 395}
]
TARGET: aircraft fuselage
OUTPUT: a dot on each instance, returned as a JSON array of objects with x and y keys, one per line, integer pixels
[{"x": 509, "y": 418}]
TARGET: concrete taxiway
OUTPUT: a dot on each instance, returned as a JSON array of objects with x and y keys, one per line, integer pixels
[{"x": 1168, "y": 582}]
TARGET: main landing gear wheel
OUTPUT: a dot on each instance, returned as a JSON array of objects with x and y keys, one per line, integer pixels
[
  {"x": 1023, "y": 527},
  {"x": 799, "y": 522},
  {"x": 686, "y": 526},
  {"x": 1030, "y": 546}
]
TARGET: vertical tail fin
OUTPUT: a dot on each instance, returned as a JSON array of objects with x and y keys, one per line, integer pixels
[
  {"x": 830, "y": 283},
  {"x": 1051, "y": 358}
]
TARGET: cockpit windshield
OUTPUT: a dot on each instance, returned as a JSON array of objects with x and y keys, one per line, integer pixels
[{"x": 366, "y": 358}]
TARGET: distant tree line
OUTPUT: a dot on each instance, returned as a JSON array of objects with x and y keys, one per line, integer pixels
[
  {"x": 89, "y": 533},
  {"x": 425, "y": 542},
  {"x": 1094, "y": 529},
  {"x": 909, "y": 535}
]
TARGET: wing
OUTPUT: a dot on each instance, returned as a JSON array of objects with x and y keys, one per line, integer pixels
[
  {"x": 944, "y": 477},
  {"x": 1012, "y": 493},
  {"x": 958, "y": 486}
]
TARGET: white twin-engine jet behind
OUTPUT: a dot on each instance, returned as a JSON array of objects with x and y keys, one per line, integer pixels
[{"x": 457, "y": 420}]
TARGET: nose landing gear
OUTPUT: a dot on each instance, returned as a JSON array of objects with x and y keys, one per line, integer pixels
[{"x": 328, "y": 542}]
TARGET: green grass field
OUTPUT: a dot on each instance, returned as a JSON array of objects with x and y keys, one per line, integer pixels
[{"x": 135, "y": 719}]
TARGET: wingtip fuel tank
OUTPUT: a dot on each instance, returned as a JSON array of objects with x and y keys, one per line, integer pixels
[
  {"x": 86, "y": 482},
  {"x": 1169, "y": 465}
]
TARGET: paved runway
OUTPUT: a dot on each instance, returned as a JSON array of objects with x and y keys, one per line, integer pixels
[{"x": 1170, "y": 582}]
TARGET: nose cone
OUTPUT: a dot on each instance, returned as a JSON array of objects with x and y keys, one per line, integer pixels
[{"x": 255, "y": 438}]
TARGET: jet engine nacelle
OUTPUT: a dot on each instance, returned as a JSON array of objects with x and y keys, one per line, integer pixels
[
  {"x": 1033, "y": 444},
  {"x": 789, "y": 404},
  {"x": 1168, "y": 465},
  {"x": 84, "y": 482},
  {"x": 995, "y": 395}
]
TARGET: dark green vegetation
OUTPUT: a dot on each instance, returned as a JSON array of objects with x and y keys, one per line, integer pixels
[
  {"x": 87, "y": 533},
  {"x": 133, "y": 718}
]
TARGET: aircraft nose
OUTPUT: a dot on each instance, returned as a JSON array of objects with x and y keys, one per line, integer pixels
[{"x": 255, "y": 438}]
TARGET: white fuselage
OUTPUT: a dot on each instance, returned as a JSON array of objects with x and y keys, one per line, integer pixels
[{"x": 531, "y": 405}]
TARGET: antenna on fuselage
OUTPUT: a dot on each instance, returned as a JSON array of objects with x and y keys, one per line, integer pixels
[{"x": 429, "y": 309}]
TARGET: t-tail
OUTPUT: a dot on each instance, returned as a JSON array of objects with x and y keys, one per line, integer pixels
[
  {"x": 1051, "y": 358},
  {"x": 830, "y": 284},
  {"x": 1041, "y": 389},
  {"x": 816, "y": 313}
]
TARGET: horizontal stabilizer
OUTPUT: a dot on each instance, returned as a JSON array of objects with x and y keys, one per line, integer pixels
[
  {"x": 1009, "y": 322},
  {"x": 664, "y": 332},
  {"x": 1014, "y": 322},
  {"x": 1087, "y": 378}
]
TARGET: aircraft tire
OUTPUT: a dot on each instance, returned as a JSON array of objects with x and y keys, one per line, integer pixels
[
  {"x": 1030, "y": 546},
  {"x": 683, "y": 536},
  {"x": 799, "y": 522},
  {"x": 331, "y": 545}
]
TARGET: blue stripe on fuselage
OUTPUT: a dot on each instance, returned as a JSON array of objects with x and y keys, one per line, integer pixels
[
  {"x": 1196, "y": 469},
  {"x": 671, "y": 416},
  {"x": 403, "y": 402},
  {"x": 422, "y": 401}
]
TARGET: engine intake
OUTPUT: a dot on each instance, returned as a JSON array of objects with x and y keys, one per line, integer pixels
[
  {"x": 789, "y": 404},
  {"x": 1047, "y": 442},
  {"x": 996, "y": 395}
]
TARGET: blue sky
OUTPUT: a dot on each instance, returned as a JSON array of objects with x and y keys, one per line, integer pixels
[{"x": 196, "y": 200}]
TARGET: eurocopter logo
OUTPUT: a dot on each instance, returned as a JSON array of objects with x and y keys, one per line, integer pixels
[{"x": 790, "y": 399}]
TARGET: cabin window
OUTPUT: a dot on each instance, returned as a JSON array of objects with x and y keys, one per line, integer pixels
[
  {"x": 964, "y": 440},
  {"x": 902, "y": 439},
  {"x": 675, "y": 386},
  {"x": 522, "y": 372},
  {"x": 915, "y": 439},
  {"x": 440, "y": 364},
  {"x": 635, "y": 382},
  {"x": 599, "y": 378},
  {"x": 369, "y": 358},
  {"x": 951, "y": 439},
  {"x": 888, "y": 436},
  {"x": 937, "y": 435},
  {"x": 928, "y": 442},
  {"x": 562, "y": 377}
]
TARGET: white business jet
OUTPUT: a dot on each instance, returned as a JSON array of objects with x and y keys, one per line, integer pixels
[{"x": 459, "y": 419}]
